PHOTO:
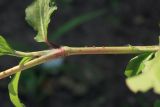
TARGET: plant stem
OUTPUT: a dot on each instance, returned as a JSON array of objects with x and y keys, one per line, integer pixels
[
  {"x": 31, "y": 54},
  {"x": 68, "y": 51},
  {"x": 111, "y": 50},
  {"x": 50, "y": 56}
]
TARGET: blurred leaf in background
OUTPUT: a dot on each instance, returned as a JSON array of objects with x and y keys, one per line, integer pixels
[{"x": 75, "y": 22}]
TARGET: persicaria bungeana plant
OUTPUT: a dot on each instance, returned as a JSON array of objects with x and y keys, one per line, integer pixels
[{"x": 142, "y": 71}]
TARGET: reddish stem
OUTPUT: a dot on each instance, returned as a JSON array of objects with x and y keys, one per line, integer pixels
[{"x": 52, "y": 44}]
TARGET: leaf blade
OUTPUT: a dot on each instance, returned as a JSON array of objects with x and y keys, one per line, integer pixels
[
  {"x": 13, "y": 86},
  {"x": 149, "y": 78},
  {"x": 136, "y": 64},
  {"x": 5, "y": 48},
  {"x": 13, "y": 91},
  {"x": 38, "y": 16}
]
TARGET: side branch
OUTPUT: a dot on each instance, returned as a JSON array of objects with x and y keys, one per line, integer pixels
[
  {"x": 31, "y": 54},
  {"x": 67, "y": 51},
  {"x": 56, "y": 53}
]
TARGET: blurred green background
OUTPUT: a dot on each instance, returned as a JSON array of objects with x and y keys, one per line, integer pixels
[{"x": 81, "y": 81}]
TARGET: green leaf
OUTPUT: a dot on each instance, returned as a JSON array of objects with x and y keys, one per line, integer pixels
[
  {"x": 13, "y": 91},
  {"x": 75, "y": 22},
  {"x": 5, "y": 49},
  {"x": 13, "y": 85},
  {"x": 136, "y": 64},
  {"x": 149, "y": 78},
  {"x": 25, "y": 60},
  {"x": 38, "y": 16}
]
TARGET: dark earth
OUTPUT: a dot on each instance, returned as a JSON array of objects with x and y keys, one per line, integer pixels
[{"x": 81, "y": 81}]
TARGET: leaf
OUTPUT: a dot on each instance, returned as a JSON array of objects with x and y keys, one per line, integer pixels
[
  {"x": 75, "y": 22},
  {"x": 13, "y": 86},
  {"x": 5, "y": 49},
  {"x": 149, "y": 78},
  {"x": 25, "y": 60},
  {"x": 13, "y": 91},
  {"x": 136, "y": 64},
  {"x": 38, "y": 16}
]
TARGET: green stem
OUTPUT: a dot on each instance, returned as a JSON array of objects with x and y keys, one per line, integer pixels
[
  {"x": 68, "y": 51},
  {"x": 31, "y": 54},
  {"x": 111, "y": 50}
]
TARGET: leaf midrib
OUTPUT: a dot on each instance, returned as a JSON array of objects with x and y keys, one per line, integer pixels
[{"x": 41, "y": 20}]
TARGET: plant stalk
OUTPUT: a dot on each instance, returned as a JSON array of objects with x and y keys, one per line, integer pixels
[
  {"x": 31, "y": 54},
  {"x": 110, "y": 50},
  {"x": 47, "y": 55}
]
